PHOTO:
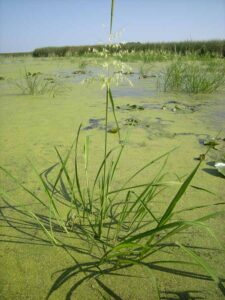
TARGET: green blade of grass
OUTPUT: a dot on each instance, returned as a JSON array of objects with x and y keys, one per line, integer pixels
[
  {"x": 86, "y": 161},
  {"x": 56, "y": 212},
  {"x": 69, "y": 181},
  {"x": 117, "y": 161},
  {"x": 149, "y": 211},
  {"x": 100, "y": 169},
  {"x": 113, "y": 110},
  {"x": 198, "y": 207},
  {"x": 52, "y": 205},
  {"x": 23, "y": 187},
  {"x": 76, "y": 170},
  {"x": 112, "y": 14},
  {"x": 122, "y": 215},
  {"x": 199, "y": 188},
  {"x": 183, "y": 226},
  {"x": 62, "y": 168},
  {"x": 47, "y": 233},
  {"x": 165, "y": 184},
  {"x": 145, "y": 234},
  {"x": 146, "y": 166},
  {"x": 177, "y": 226},
  {"x": 201, "y": 262},
  {"x": 168, "y": 213}
]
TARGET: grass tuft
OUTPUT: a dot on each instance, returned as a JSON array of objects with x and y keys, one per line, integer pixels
[
  {"x": 36, "y": 84},
  {"x": 192, "y": 77}
]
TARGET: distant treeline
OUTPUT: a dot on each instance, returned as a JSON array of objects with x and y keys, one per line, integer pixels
[{"x": 213, "y": 47}]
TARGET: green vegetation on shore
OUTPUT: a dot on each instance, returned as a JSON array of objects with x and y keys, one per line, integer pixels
[
  {"x": 212, "y": 48},
  {"x": 135, "y": 50}
]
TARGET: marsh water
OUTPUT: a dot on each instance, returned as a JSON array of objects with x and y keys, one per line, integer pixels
[{"x": 151, "y": 123}]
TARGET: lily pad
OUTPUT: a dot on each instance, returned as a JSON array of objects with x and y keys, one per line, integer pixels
[
  {"x": 93, "y": 123},
  {"x": 211, "y": 142},
  {"x": 131, "y": 121},
  {"x": 113, "y": 130},
  {"x": 78, "y": 72},
  {"x": 220, "y": 166},
  {"x": 180, "y": 107},
  {"x": 131, "y": 107}
]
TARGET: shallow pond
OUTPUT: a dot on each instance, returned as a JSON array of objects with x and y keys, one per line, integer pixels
[{"x": 150, "y": 123}]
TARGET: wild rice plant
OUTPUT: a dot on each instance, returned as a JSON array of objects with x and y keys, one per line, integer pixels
[
  {"x": 192, "y": 77},
  {"x": 119, "y": 225},
  {"x": 82, "y": 65},
  {"x": 144, "y": 70},
  {"x": 38, "y": 84}
]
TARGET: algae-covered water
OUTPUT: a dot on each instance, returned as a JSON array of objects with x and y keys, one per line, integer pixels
[{"x": 151, "y": 123}]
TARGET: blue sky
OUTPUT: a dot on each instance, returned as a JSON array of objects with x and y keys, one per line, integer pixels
[{"x": 28, "y": 24}]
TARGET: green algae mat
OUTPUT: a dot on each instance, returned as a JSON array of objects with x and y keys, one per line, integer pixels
[{"x": 151, "y": 123}]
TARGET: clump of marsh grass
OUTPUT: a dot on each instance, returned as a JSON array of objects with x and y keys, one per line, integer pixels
[
  {"x": 144, "y": 70},
  {"x": 83, "y": 64},
  {"x": 37, "y": 84},
  {"x": 192, "y": 77}
]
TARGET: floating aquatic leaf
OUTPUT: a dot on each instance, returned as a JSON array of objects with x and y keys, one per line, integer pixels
[
  {"x": 78, "y": 72},
  {"x": 131, "y": 107},
  {"x": 220, "y": 166},
  {"x": 113, "y": 130},
  {"x": 211, "y": 142},
  {"x": 131, "y": 121}
]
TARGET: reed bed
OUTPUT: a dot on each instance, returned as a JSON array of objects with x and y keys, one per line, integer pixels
[{"x": 211, "y": 48}]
